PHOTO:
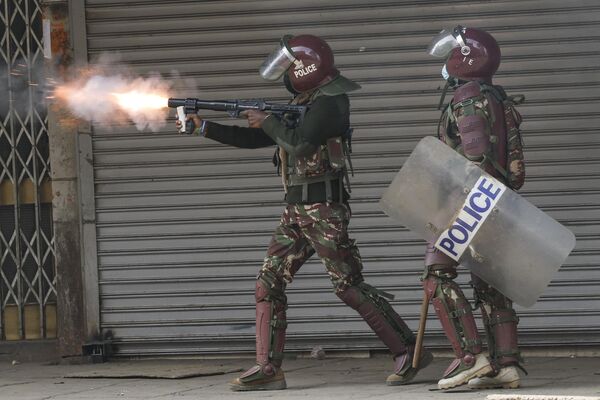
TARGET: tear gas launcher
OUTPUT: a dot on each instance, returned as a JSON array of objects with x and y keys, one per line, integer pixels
[{"x": 292, "y": 113}]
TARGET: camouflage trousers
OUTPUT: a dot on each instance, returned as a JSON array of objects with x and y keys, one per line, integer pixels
[
  {"x": 321, "y": 228},
  {"x": 306, "y": 229}
]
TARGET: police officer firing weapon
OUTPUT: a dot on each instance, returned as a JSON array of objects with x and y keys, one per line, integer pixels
[{"x": 311, "y": 157}]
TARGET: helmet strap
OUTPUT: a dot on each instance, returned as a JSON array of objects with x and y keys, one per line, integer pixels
[
  {"x": 451, "y": 82},
  {"x": 443, "y": 97}
]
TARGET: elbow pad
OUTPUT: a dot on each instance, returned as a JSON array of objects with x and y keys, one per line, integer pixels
[{"x": 474, "y": 136}]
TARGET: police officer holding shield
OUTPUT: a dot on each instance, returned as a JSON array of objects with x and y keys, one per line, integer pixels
[{"x": 481, "y": 123}]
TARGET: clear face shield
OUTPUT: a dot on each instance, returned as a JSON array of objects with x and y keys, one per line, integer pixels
[
  {"x": 277, "y": 62},
  {"x": 446, "y": 40}
]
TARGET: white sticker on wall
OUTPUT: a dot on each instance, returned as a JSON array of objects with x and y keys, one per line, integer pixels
[{"x": 47, "y": 38}]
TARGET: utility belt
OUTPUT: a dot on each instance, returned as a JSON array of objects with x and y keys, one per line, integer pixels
[{"x": 332, "y": 183}]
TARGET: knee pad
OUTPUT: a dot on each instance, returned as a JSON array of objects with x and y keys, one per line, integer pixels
[
  {"x": 261, "y": 293},
  {"x": 434, "y": 257},
  {"x": 437, "y": 265},
  {"x": 270, "y": 288}
]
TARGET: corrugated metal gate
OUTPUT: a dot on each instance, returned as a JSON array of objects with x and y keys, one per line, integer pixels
[{"x": 183, "y": 222}]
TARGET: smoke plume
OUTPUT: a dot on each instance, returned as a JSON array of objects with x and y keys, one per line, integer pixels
[
  {"x": 109, "y": 93},
  {"x": 116, "y": 99}
]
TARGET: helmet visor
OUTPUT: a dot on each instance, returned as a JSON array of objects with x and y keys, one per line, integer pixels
[
  {"x": 277, "y": 62},
  {"x": 442, "y": 44}
]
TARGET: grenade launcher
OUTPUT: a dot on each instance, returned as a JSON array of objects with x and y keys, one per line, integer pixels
[{"x": 234, "y": 108}]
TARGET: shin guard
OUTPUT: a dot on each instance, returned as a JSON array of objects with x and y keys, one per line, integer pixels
[
  {"x": 456, "y": 316},
  {"x": 503, "y": 346},
  {"x": 380, "y": 316},
  {"x": 270, "y": 329},
  {"x": 500, "y": 321}
]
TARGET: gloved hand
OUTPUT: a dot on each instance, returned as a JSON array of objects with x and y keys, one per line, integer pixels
[{"x": 255, "y": 118}]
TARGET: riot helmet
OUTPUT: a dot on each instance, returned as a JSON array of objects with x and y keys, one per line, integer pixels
[
  {"x": 471, "y": 53},
  {"x": 308, "y": 62}
]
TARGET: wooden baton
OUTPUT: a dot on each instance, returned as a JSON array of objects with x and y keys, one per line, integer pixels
[{"x": 421, "y": 331}]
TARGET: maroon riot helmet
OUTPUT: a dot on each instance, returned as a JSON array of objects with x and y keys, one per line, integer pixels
[
  {"x": 308, "y": 62},
  {"x": 472, "y": 54}
]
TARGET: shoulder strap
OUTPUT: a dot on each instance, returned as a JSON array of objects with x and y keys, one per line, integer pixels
[{"x": 496, "y": 91}]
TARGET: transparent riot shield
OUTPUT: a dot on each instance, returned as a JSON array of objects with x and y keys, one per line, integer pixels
[{"x": 473, "y": 218}]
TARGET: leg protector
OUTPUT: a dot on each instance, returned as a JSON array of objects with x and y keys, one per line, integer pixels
[
  {"x": 270, "y": 328},
  {"x": 500, "y": 321},
  {"x": 380, "y": 316},
  {"x": 456, "y": 316},
  {"x": 503, "y": 324},
  {"x": 270, "y": 339}
]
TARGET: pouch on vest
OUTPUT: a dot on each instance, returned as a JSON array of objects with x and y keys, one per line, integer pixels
[
  {"x": 311, "y": 165},
  {"x": 335, "y": 152}
]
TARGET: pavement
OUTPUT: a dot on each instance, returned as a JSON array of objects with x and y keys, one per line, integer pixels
[{"x": 330, "y": 378}]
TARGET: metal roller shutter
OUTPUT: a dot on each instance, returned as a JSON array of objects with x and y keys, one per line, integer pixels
[{"x": 183, "y": 222}]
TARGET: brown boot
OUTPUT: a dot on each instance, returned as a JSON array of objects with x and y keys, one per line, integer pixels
[
  {"x": 265, "y": 377},
  {"x": 403, "y": 369}
]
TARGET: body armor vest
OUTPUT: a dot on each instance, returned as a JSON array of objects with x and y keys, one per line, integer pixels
[
  {"x": 329, "y": 163},
  {"x": 481, "y": 119}
]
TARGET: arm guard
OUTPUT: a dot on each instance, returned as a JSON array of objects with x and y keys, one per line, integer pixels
[
  {"x": 474, "y": 135},
  {"x": 469, "y": 110}
]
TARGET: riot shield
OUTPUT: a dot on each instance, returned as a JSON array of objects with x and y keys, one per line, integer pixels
[{"x": 473, "y": 218}]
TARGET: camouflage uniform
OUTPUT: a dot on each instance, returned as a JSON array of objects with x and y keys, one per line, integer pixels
[{"x": 315, "y": 220}]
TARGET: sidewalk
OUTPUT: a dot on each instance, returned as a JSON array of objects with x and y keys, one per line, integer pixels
[{"x": 335, "y": 378}]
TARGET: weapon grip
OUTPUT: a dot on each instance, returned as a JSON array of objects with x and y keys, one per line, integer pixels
[
  {"x": 186, "y": 126},
  {"x": 189, "y": 127}
]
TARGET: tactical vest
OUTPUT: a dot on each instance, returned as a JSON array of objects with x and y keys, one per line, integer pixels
[
  {"x": 504, "y": 157},
  {"x": 329, "y": 164}
]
